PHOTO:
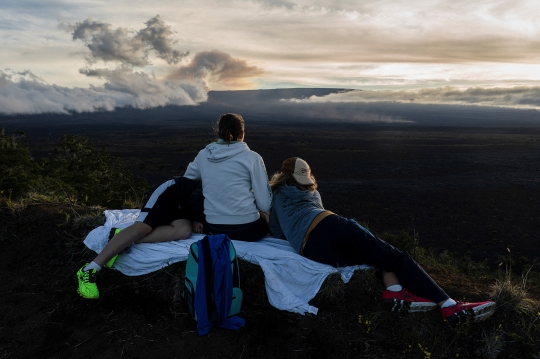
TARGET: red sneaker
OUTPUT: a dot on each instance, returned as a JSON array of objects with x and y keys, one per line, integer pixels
[
  {"x": 468, "y": 311},
  {"x": 406, "y": 302}
]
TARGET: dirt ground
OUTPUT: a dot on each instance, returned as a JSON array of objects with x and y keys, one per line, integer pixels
[
  {"x": 143, "y": 317},
  {"x": 475, "y": 195}
]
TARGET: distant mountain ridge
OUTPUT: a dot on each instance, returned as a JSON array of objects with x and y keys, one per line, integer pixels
[{"x": 269, "y": 94}]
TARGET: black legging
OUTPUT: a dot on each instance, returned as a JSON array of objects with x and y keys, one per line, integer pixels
[{"x": 340, "y": 242}]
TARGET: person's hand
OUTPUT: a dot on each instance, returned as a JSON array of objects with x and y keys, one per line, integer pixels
[
  {"x": 266, "y": 216},
  {"x": 197, "y": 227}
]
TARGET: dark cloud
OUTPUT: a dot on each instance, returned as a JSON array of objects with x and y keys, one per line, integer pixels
[
  {"x": 213, "y": 67},
  {"x": 126, "y": 46},
  {"x": 158, "y": 34}
]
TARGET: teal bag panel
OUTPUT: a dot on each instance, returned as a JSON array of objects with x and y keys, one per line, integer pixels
[
  {"x": 236, "y": 304},
  {"x": 190, "y": 281}
]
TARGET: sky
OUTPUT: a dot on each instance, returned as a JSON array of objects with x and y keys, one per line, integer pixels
[{"x": 87, "y": 55}]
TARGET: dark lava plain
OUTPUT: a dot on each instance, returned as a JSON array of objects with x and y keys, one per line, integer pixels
[
  {"x": 469, "y": 191},
  {"x": 473, "y": 192}
]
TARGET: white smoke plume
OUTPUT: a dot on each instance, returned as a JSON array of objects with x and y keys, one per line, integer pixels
[
  {"x": 126, "y": 84},
  {"x": 24, "y": 93},
  {"x": 525, "y": 97},
  {"x": 216, "y": 67}
]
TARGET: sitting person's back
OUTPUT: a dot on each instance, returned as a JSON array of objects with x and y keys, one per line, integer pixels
[{"x": 235, "y": 183}]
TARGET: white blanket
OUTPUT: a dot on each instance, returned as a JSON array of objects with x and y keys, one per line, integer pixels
[{"x": 291, "y": 280}]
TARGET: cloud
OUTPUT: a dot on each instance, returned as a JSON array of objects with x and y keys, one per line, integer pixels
[
  {"x": 276, "y": 3},
  {"x": 25, "y": 93},
  {"x": 513, "y": 97},
  {"x": 146, "y": 90},
  {"x": 216, "y": 68},
  {"x": 346, "y": 114},
  {"x": 158, "y": 35},
  {"x": 127, "y": 83},
  {"x": 124, "y": 45}
]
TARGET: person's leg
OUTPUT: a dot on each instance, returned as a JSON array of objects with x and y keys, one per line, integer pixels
[
  {"x": 342, "y": 242},
  {"x": 121, "y": 241},
  {"x": 178, "y": 229},
  {"x": 390, "y": 279},
  {"x": 161, "y": 209},
  {"x": 401, "y": 267}
]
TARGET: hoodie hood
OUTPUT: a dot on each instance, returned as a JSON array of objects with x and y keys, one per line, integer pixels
[
  {"x": 295, "y": 193},
  {"x": 218, "y": 153}
]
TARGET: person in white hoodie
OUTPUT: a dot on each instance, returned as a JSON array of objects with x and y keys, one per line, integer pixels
[{"x": 235, "y": 184}]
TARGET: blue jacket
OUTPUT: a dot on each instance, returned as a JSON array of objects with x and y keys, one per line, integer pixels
[
  {"x": 292, "y": 212},
  {"x": 220, "y": 264}
]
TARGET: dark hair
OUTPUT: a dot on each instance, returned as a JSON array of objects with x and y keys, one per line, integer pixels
[{"x": 230, "y": 127}]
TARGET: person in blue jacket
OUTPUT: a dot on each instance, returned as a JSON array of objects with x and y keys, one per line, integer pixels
[{"x": 298, "y": 215}]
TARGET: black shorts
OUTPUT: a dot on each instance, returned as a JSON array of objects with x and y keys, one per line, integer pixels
[
  {"x": 162, "y": 206},
  {"x": 248, "y": 232}
]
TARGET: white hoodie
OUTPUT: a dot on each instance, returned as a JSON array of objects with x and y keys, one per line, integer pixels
[{"x": 235, "y": 183}]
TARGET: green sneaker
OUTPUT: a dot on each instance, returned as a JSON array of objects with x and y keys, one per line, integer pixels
[
  {"x": 87, "y": 283},
  {"x": 111, "y": 261}
]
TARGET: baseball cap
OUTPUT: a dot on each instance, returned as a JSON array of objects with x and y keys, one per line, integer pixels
[{"x": 299, "y": 169}]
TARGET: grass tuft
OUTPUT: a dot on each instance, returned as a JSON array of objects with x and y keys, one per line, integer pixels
[
  {"x": 513, "y": 296},
  {"x": 493, "y": 344},
  {"x": 332, "y": 288},
  {"x": 89, "y": 220}
]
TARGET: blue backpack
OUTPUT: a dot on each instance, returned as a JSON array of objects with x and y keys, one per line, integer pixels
[{"x": 190, "y": 280}]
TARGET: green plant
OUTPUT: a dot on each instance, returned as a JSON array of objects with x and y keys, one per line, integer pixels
[
  {"x": 76, "y": 172},
  {"x": 95, "y": 175},
  {"x": 17, "y": 167}
]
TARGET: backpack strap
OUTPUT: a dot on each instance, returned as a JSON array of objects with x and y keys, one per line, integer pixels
[
  {"x": 235, "y": 270},
  {"x": 209, "y": 274}
]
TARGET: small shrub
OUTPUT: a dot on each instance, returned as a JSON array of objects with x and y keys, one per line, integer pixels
[
  {"x": 17, "y": 167},
  {"x": 493, "y": 343},
  {"x": 513, "y": 296},
  {"x": 96, "y": 177},
  {"x": 90, "y": 220},
  {"x": 332, "y": 288},
  {"x": 75, "y": 172}
]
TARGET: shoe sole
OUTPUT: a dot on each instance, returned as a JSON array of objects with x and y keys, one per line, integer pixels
[
  {"x": 400, "y": 306},
  {"x": 476, "y": 314},
  {"x": 85, "y": 297}
]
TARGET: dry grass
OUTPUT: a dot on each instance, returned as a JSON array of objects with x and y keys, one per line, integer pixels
[
  {"x": 513, "y": 296},
  {"x": 89, "y": 220}
]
